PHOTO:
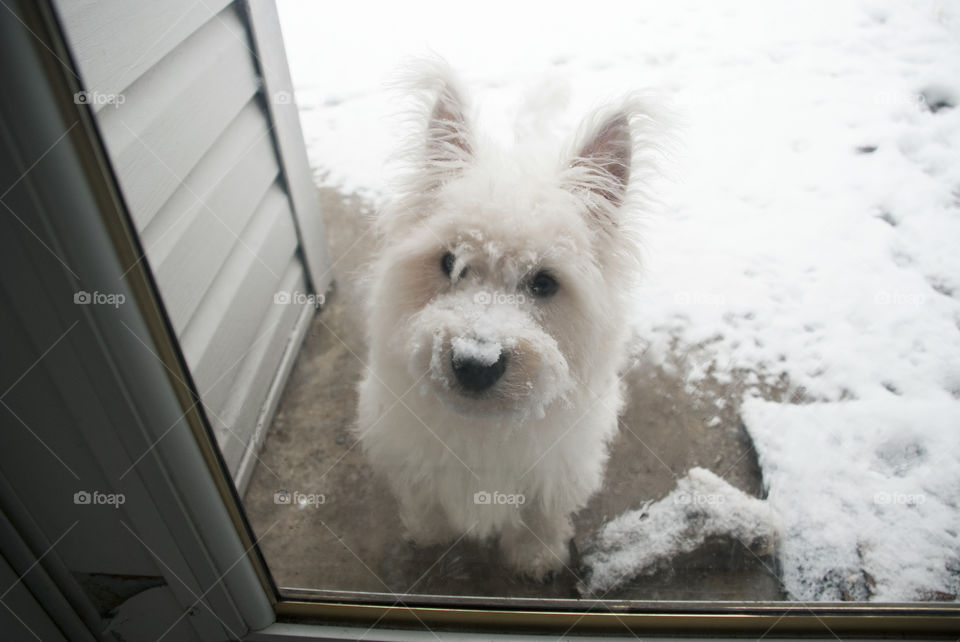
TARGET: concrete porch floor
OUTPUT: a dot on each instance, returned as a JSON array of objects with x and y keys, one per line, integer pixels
[{"x": 352, "y": 542}]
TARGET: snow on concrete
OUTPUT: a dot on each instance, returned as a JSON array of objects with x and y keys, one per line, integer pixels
[
  {"x": 809, "y": 239},
  {"x": 701, "y": 506}
]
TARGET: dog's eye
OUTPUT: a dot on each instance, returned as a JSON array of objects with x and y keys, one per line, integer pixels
[
  {"x": 543, "y": 285},
  {"x": 446, "y": 263}
]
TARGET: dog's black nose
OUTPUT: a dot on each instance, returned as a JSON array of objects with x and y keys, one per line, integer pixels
[{"x": 475, "y": 375}]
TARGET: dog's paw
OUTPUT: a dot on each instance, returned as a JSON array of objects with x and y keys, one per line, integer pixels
[
  {"x": 426, "y": 541},
  {"x": 534, "y": 559},
  {"x": 427, "y": 535}
]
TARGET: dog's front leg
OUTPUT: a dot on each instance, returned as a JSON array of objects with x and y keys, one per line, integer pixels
[
  {"x": 538, "y": 545},
  {"x": 424, "y": 520}
]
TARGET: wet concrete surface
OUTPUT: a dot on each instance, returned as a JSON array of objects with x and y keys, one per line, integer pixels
[{"x": 353, "y": 540}]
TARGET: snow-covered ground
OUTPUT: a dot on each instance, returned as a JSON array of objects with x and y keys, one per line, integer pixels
[{"x": 810, "y": 239}]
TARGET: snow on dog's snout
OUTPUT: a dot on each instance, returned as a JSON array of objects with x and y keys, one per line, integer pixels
[
  {"x": 487, "y": 358},
  {"x": 480, "y": 351}
]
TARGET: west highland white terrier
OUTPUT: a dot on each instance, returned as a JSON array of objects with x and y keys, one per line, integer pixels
[{"x": 498, "y": 325}]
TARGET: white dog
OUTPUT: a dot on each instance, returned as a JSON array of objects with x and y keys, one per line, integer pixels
[{"x": 498, "y": 325}]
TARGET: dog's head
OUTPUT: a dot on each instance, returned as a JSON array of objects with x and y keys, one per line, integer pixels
[{"x": 504, "y": 278}]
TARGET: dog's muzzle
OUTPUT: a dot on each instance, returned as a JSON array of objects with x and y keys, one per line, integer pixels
[
  {"x": 486, "y": 361},
  {"x": 475, "y": 375}
]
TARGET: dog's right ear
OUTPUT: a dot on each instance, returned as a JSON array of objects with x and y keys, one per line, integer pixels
[
  {"x": 448, "y": 148},
  {"x": 448, "y": 137},
  {"x": 440, "y": 144}
]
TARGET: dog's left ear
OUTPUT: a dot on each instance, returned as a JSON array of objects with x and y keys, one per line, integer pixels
[
  {"x": 600, "y": 169},
  {"x": 607, "y": 155}
]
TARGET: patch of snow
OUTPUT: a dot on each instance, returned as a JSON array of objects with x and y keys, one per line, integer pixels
[
  {"x": 867, "y": 491},
  {"x": 483, "y": 352},
  {"x": 701, "y": 506}
]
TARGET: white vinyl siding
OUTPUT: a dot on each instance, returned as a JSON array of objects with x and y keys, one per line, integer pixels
[{"x": 216, "y": 181}]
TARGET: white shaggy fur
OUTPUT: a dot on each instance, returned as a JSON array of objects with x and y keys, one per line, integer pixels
[{"x": 540, "y": 432}]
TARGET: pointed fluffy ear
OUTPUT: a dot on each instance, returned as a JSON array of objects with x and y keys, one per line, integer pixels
[
  {"x": 448, "y": 145},
  {"x": 602, "y": 165},
  {"x": 617, "y": 156},
  {"x": 439, "y": 145}
]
